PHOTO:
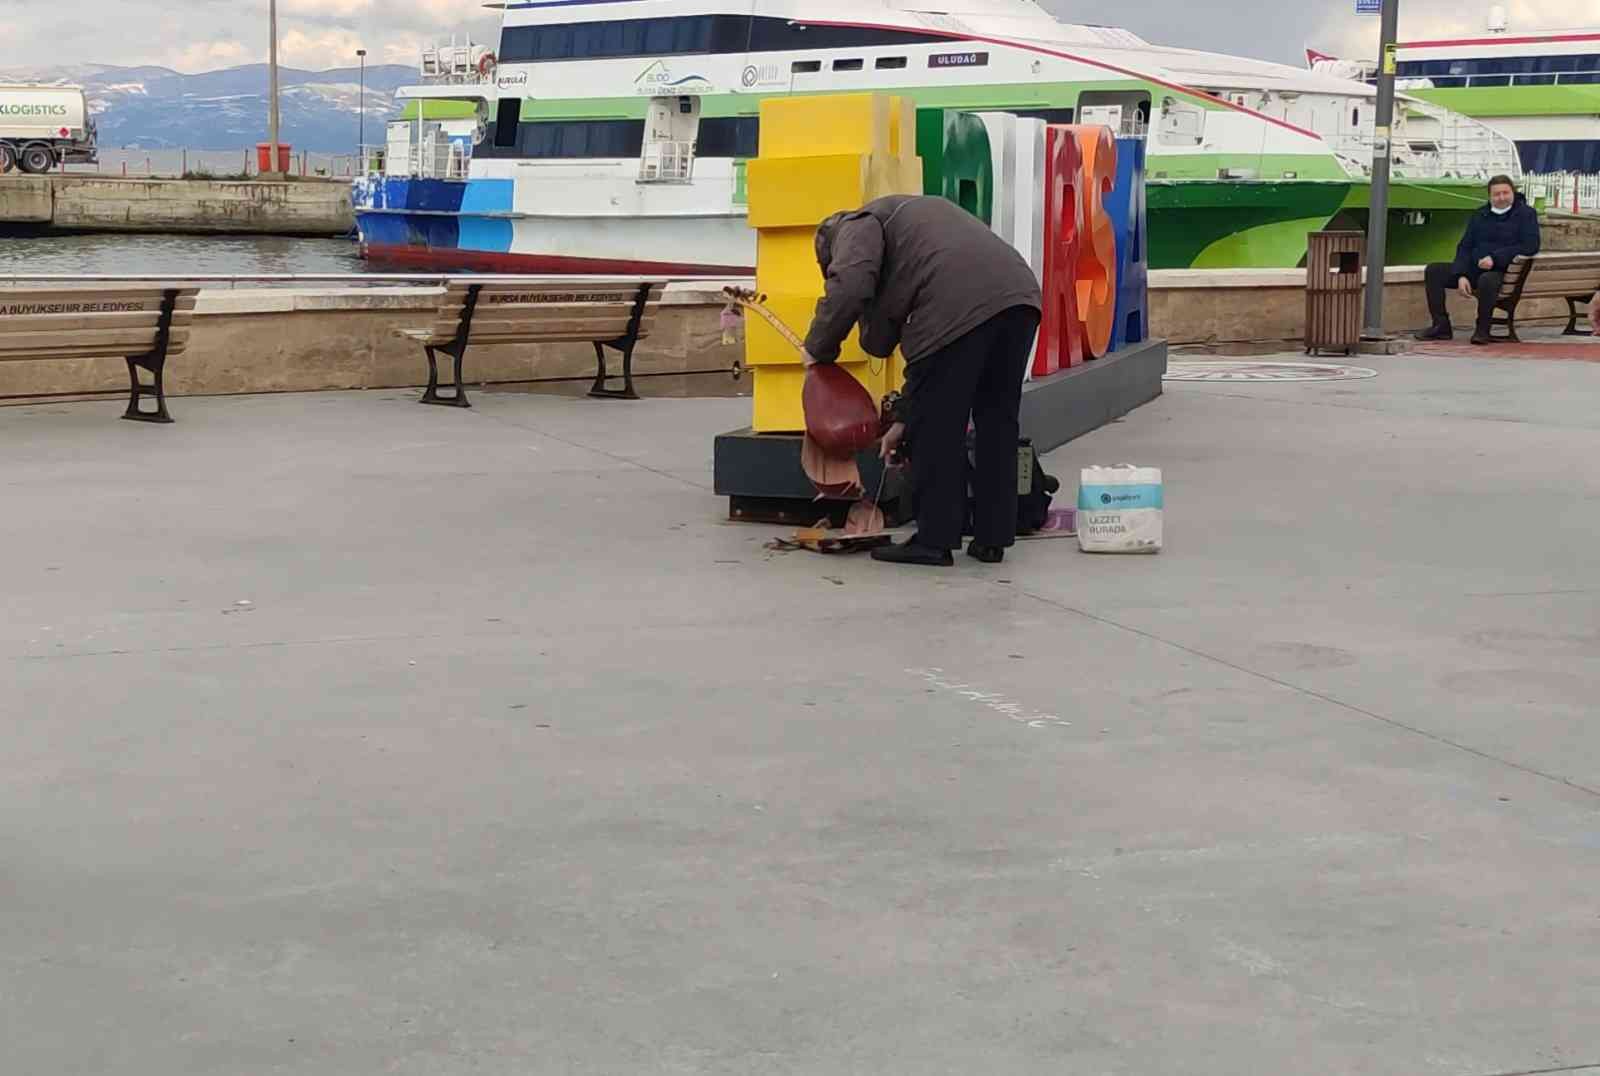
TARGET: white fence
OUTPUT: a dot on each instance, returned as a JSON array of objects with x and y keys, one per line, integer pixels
[
  {"x": 433, "y": 159},
  {"x": 667, "y": 162},
  {"x": 170, "y": 163},
  {"x": 1565, "y": 190}
]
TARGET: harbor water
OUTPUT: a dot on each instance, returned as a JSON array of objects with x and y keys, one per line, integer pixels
[{"x": 198, "y": 255}]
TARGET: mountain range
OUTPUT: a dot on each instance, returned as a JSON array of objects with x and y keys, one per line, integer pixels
[{"x": 158, "y": 108}]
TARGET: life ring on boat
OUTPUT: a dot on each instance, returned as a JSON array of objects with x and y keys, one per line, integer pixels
[{"x": 486, "y": 64}]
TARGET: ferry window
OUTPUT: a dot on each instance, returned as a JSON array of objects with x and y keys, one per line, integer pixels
[
  {"x": 805, "y": 67},
  {"x": 1575, "y": 69},
  {"x": 1552, "y": 156},
  {"x": 847, "y": 65},
  {"x": 554, "y": 42},
  {"x": 890, "y": 63},
  {"x": 659, "y": 37},
  {"x": 683, "y": 35},
  {"x": 507, "y": 114},
  {"x": 1049, "y": 115},
  {"x": 576, "y": 139},
  {"x": 784, "y": 35},
  {"x": 730, "y": 33},
  {"x": 688, "y": 35},
  {"x": 728, "y": 136},
  {"x": 1355, "y": 117}
]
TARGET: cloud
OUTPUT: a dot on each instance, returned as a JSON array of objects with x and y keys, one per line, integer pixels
[
  {"x": 316, "y": 51},
  {"x": 324, "y": 9},
  {"x": 1269, "y": 30},
  {"x": 210, "y": 55},
  {"x": 1342, "y": 32},
  {"x": 326, "y": 33},
  {"x": 319, "y": 34},
  {"x": 212, "y": 34}
]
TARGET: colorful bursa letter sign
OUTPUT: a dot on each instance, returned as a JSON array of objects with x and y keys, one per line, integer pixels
[{"x": 1127, "y": 209}]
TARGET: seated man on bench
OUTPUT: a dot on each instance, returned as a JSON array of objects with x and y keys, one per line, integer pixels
[{"x": 1498, "y": 232}]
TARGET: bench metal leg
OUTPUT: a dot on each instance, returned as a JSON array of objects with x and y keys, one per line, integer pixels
[
  {"x": 623, "y": 345},
  {"x": 1573, "y": 316},
  {"x": 431, "y": 395},
  {"x": 138, "y": 390},
  {"x": 1509, "y": 322},
  {"x": 601, "y": 376}
]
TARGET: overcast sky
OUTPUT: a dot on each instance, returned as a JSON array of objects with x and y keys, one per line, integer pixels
[{"x": 319, "y": 34}]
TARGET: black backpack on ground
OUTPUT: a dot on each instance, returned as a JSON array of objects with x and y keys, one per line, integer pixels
[
  {"x": 1035, "y": 489},
  {"x": 1033, "y": 494}
]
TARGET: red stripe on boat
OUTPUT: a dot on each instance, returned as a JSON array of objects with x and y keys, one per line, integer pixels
[{"x": 435, "y": 259}]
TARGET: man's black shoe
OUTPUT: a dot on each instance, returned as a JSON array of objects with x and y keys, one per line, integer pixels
[
  {"x": 1480, "y": 338},
  {"x": 910, "y": 552},
  {"x": 1439, "y": 330},
  {"x": 989, "y": 554}
]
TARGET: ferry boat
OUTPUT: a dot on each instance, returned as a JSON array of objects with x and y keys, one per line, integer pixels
[
  {"x": 1542, "y": 89},
  {"x": 611, "y": 135}
]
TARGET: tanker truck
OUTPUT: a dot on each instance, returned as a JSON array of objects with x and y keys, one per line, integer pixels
[{"x": 43, "y": 126}]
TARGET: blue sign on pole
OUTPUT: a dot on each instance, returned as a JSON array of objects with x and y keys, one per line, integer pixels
[{"x": 1369, "y": 7}]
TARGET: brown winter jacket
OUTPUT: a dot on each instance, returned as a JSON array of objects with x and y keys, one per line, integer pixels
[{"x": 916, "y": 271}]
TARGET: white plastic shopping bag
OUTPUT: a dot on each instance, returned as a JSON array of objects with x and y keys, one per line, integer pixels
[{"x": 1119, "y": 509}]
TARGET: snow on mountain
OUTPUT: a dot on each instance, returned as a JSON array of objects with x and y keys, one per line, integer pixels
[{"x": 158, "y": 108}]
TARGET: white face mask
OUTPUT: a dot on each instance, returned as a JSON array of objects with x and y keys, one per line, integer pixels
[{"x": 1498, "y": 211}]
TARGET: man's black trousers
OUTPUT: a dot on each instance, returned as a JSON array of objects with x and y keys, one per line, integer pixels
[
  {"x": 979, "y": 375},
  {"x": 1440, "y": 277}
]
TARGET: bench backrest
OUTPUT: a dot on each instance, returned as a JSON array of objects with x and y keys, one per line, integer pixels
[
  {"x": 1553, "y": 276},
  {"x": 84, "y": 323},
  {"x": 558, "y": 311}
]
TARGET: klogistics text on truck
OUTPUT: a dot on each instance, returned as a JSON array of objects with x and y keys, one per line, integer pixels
[{"x": 43, "y": 126}]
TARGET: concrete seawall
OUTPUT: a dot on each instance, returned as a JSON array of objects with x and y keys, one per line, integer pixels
[
  {"x": 1228, "y": 306},
  {"x": 1243, "y": 306},
  {"x": 306, "y": 339},
  {"x": 299, "y": 340},
  {"x": 316, "y": 207},
  {"x": 1571, "y": 231}
]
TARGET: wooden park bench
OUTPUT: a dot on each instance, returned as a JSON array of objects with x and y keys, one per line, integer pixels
[
  {"x": 1573, "y": 277},
  {"x": 613, "y": 314},
  {"x": 145, "y": 325}
]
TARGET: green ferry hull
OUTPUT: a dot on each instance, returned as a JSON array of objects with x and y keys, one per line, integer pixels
[{"x": 1242, "y": 224}]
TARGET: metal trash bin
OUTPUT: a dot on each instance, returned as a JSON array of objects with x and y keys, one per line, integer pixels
[{"x": 1334, "y": 294}]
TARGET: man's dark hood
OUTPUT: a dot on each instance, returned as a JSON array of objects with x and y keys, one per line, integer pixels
[{"x": 824, "y": 239}]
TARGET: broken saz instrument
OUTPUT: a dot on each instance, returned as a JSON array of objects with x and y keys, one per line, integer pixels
[{"x": 841, "y": 421}]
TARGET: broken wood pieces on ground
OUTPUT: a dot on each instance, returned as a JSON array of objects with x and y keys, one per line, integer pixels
[{"x": 824, "y": 540}]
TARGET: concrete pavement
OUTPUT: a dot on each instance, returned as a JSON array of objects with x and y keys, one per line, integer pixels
[{"x": 520, "y": 759}]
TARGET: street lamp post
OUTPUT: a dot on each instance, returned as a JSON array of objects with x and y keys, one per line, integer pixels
[
  {"x": 361, "y": 139},
  {"x": 1378, "y": 213},
  {"x": 272, "y": 104}
]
